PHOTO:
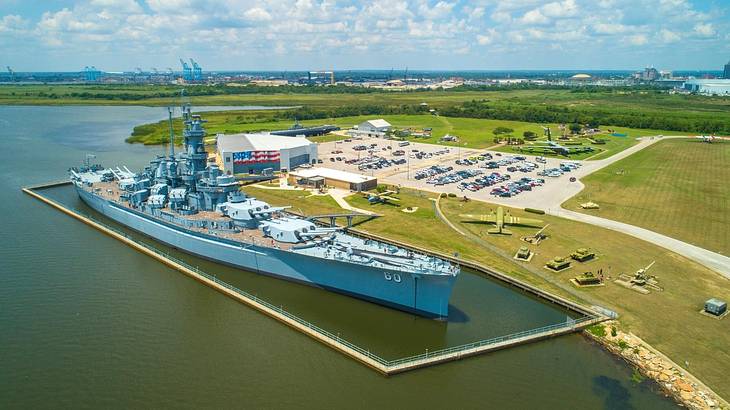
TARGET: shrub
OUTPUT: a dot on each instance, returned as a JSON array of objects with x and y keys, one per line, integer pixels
[
  {"x": 597, "y": 330},
  {"x": 502, "y": 130}
]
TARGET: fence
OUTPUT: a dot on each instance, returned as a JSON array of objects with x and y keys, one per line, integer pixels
[
  {"x": 383, "y": 365},
  {"x": 569, "y": 324}
]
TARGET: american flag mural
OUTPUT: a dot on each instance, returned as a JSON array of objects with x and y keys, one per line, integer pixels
[{"x": 255, "y": 157}]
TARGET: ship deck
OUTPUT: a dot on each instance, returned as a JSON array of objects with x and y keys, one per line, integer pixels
[
  {"x": 111, "y": 192},
  {"x": 375, "y": 254}
]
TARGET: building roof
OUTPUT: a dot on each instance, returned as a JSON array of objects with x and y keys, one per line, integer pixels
[
  {"x": 580, "y": 76},
  {"x": 330, "y": 173},
  {"x": 258, "y": 142},
  {"x": 379, "y": 123}
]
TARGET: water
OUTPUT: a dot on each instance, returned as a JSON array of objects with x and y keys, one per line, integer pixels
[{"x": 88, "y": 322}]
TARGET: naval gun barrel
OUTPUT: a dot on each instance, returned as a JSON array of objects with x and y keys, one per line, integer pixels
[
  {"x": 320, "y": 231},
  {"x": 270, "y": 210}
]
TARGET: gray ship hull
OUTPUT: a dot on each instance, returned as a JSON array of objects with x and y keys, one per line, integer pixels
[{"x": 424, "y": 294}]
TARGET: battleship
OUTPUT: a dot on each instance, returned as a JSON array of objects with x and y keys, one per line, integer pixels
[{"x": 188, "y": 203}]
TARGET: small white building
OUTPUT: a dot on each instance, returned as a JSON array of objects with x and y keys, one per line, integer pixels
[
  {"x": 318, "y": 177},
  {"x": 253, "y": 153},
  {"x": 371, "y": 128}
]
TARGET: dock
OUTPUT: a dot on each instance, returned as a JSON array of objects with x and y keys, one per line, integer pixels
[{"x": 345, "y": 347}]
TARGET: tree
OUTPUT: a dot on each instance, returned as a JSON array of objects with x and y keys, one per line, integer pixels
[
  {"x": 502, "y": 130},
  {"x": 529, "y": 135},
  {"x": 575, "y": 128}
]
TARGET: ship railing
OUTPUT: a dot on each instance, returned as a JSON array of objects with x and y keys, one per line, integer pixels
[{"x": 568, "y": 325}]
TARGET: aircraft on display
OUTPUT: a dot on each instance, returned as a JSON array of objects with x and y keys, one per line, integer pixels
[
  {"x": 500, "y": 219},
  {"x": 706, "y": 138},
  {"x": 382, "y": 197}
]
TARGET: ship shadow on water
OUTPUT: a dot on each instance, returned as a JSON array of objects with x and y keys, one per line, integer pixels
[
  {"x": 480, "y": 307},
  {"x": 457, "y": 315}
]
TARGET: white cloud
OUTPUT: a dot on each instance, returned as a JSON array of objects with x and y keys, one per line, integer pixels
[
  {"x": 637, "y": 39},
  {"x": 668, "y": 36},
  {"x": 534, "y": 17},
  {"x": 12, "y": 22},
  {"x": 257, "y": 14},
  {"x": 118, "y": 6},
  {"x": 317, "y": 30},
  {"x": 704, "y": 29},
  {"x": 476, "y": 13},
  {"x": 440, "y": 10},
  {"x": 566, "y": 8},
  {"x": 487, "y": 38},
  {"x": 612, "y": 28},
  {"x": 501, "y": 17}
]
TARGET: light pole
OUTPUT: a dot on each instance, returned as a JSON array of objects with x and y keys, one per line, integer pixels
[{"x": 408, "y": 167}]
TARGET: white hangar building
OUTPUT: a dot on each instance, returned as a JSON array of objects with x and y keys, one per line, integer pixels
[{"x": 253, "y": 153}]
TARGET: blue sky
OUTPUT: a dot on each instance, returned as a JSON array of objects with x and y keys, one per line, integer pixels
[{"x": 117, "y": 35}]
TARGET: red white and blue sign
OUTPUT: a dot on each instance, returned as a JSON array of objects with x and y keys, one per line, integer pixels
[{"x": 255, "y": 157}]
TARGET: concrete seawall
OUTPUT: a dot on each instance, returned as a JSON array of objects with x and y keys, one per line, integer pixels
[{"x": 385, "y": 367}]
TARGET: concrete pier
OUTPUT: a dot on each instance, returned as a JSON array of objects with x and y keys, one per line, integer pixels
[{"x": 383, "y": 366}]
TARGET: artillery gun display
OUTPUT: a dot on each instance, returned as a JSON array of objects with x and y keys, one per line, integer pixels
[
  {"x": 537, "y": 237},
  {"x": 640, "y": 281}
]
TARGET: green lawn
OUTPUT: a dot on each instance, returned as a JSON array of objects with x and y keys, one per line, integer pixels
[
  {"x": 612, "y": 146},
  {"x": 661, "y": 318},
  {"x": 472, "y": 132},
  {"x": 676, "y": 187},
  {"x": 631, "y": 107}
]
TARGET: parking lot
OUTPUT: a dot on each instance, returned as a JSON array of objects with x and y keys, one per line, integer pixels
[{"x": 522, "y": 181}]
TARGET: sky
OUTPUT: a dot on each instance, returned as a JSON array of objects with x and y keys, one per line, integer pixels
[{"x": 117, "y": 35}]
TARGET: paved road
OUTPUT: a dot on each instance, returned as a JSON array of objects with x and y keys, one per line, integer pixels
[
  {"x": 712, "y": 260},
  {"x": 555, "y": 192},
  {"x": 551, "y": 204}
]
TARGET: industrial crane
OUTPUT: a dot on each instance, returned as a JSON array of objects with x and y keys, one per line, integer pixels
[
  {"x": 187, "y": 71},
  {"x": 197, "y": 71}
]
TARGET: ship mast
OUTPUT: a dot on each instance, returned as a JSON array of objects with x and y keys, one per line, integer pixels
[{"x": 172, "y": 133}]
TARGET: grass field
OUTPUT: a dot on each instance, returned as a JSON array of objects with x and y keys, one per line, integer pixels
[
  {"x": 661, "y": 318},
  {"x": 612, "y": 146},
  {"x": 472, "y": 132},
  {"x": 676, "y": 187},
  {"x": 649, "y": 109}
]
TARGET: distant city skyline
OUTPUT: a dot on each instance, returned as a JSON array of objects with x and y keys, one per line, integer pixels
[{"x": 120, "y": 35}]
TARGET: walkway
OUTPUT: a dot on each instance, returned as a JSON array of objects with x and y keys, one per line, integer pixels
[{"x": 339, "y": 196}]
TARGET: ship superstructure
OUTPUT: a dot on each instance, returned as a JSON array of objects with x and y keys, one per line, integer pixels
[{"x": 186, "y": 203}]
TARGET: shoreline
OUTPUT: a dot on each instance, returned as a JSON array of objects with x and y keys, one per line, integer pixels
[{"x": 674, "y": 381}]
